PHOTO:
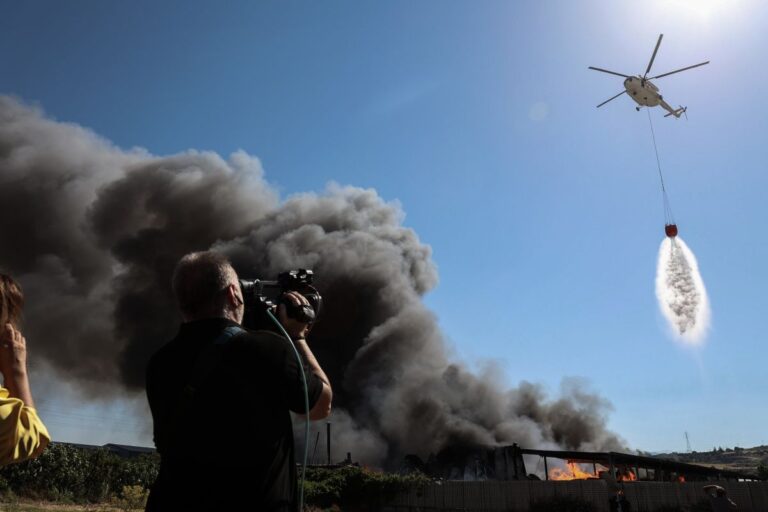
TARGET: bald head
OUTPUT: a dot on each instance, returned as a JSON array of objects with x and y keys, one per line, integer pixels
[{"x": 206, "y": 286}]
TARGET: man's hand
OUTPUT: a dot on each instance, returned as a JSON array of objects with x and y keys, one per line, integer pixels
[{"x": 295, "y": 328}]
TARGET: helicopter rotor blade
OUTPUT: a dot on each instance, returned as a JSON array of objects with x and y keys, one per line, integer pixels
[
  {"x": 679, "y": 70},
  {"x": 653, "y": 57},
  {"x": 609, "y": 72},
  {"x": 610, "y": 99}
]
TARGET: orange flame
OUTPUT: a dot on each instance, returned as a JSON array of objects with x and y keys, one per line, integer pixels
[
  {"x": 627, "y": 476},
  {"x": 574, "y": 472}
]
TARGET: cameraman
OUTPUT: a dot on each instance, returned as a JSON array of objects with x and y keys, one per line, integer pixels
[{"x": 220, "y": 398}]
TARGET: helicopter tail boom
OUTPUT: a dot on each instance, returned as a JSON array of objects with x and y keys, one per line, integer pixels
[{"x": 677, "y": 112}]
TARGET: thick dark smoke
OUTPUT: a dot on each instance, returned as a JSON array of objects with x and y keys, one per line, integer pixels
[
  {"x": 93, "y": 233},
  {"x": 155, "y": 211}
]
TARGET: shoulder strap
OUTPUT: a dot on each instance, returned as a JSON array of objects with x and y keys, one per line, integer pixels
[
  {"x": 208, "y": 359},
  {"x": 226, "y": 334}
]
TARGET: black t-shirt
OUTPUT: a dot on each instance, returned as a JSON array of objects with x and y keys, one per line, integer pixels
[{"x": 229, "y": 446}]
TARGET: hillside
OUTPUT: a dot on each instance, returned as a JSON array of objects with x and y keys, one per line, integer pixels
[{"x": 745, "y": 460}]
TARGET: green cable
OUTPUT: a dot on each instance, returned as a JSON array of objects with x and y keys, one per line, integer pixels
[{"x": 306, "y": 408}]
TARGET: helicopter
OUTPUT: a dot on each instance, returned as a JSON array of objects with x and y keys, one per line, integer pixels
[{"x": 645, "y": 93}]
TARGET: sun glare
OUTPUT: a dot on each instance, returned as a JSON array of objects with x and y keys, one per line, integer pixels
[{"x": 702, "y": 10}]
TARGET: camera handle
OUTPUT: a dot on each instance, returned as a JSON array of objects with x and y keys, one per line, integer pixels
[{"x": 306, "y": 405}]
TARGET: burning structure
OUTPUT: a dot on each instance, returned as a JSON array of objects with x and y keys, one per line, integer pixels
[{"x": 508, "y": 463}]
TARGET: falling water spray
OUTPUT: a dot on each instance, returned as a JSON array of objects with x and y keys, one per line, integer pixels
[{"x": 681, "y": 293}]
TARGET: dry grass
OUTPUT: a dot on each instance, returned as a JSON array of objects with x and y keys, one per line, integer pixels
[{"x": 39, "y": 506}]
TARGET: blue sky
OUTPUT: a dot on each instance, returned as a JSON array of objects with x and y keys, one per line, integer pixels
[{"x": 544, "y": 214}]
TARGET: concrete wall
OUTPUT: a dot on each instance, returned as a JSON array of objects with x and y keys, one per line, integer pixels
[{"x": 517, "y": 496}]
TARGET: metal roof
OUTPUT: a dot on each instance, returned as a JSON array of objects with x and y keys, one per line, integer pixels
[{"x": 643, "y": 461}]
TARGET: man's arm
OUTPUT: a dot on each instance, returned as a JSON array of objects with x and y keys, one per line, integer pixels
[
  {"x": 322, "y": 408},
  {"x": 297, "y": 331}
]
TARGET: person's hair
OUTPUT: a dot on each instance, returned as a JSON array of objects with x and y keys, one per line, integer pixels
[
  {"x": 720, "y": 492},
  {"x": 11, "y": 301},
  {"x": 199, "y": 281}
]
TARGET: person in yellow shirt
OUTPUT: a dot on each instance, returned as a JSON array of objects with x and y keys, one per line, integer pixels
[{"x": 22, "y": 434}]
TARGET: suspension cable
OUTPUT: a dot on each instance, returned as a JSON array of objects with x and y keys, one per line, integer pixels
[{"x": 668, "y": 216}]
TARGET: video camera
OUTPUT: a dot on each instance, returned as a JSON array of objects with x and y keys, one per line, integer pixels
[{"x": 261, "y": 296}]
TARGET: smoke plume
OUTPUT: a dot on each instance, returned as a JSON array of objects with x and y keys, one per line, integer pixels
[
  {"x": 93, "y": 233},
  {"x": 681, "y": 293}
]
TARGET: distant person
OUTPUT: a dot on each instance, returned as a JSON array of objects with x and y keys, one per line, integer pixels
[
  {"x": 619, "y": 503},
  {"x": 220, "y": 398},
  {"x": 22, "y": 435},
  {"x": 718, "y": 498}
]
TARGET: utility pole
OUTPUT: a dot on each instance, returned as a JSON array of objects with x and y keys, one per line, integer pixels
[{"x": 687, "y": 443}]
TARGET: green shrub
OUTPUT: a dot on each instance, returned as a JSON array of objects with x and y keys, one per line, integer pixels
[
  {"x": 66, "y": 473},
  {"x": 354, "y": 487}
]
